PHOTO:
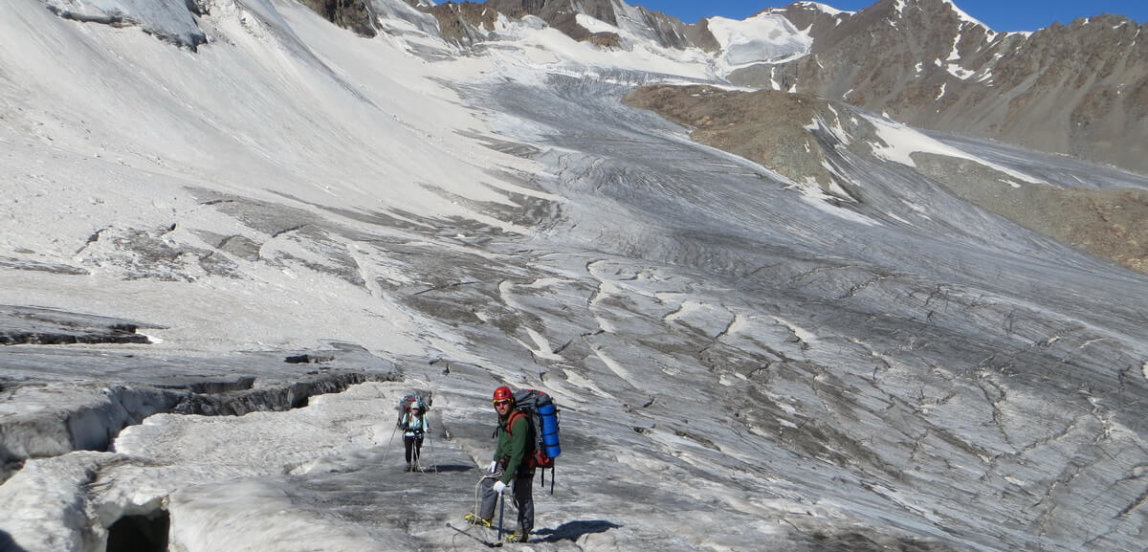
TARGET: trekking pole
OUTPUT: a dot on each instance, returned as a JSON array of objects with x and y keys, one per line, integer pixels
[
  {"x": 419, "y": 453},
  {"x": 430, "y": 452},
  {"x": 501, "y": 508},
  {"x": 387, "y": 447}
]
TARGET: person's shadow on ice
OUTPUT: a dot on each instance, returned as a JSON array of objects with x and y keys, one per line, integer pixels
[{"x": 575, "y": 530}]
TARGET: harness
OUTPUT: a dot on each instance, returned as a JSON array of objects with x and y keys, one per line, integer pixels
[{"x": 416, "y": 432}]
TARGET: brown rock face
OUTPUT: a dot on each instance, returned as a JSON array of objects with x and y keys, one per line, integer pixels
[
  {"x": 766, "y": 126},
  {"x": 350, "y": 14},
  {"x": 457, "y": 22},
  {"x": 1108, "y": 223},
  {"x": 548, "y": 10},
  {"x": 670, "y": 32}
]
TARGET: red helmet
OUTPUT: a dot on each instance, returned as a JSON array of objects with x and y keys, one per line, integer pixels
[{"x": 503, "y": 394}]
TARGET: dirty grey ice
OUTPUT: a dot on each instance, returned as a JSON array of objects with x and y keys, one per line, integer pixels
[{"x": 232, "y": 242}]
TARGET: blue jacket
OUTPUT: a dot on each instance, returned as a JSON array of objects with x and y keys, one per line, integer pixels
[{"x": 414, "y": 426}]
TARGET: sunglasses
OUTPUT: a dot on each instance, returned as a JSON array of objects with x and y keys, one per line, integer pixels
[{"x": 501, "y": 402}]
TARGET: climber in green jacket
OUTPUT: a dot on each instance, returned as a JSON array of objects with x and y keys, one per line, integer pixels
[{"x": 510, "y": 467}]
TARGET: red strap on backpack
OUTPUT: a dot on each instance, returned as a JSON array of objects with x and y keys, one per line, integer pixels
[
  {"x": 514, "y": 416},
  {"x": 538, "y": 458}
]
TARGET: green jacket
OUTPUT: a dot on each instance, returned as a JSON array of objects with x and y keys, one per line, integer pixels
[{"x": 513, "y": 446}]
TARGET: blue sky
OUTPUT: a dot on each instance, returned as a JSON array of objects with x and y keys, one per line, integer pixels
[{"x": 1000, "y": 15}]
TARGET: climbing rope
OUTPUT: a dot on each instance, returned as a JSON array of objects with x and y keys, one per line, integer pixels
[
  {"x": 486, "y": 530},
  {"x": 387, "y": 445},
  {"x": 430, "y": 455},
  {"x": 478, "y": 492}
]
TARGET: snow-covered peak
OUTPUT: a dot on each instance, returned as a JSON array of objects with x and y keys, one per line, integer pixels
[
  {"x": 764, "y": 38},
  {"x": 824, "y": 8},
  {"x": 963, "y": 15},
  {"x": 930, "y": 5}
]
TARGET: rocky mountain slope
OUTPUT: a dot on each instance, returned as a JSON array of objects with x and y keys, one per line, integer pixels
[
  {"x": 774, "y": 128},
  {"x": 1079, "y": 89}
]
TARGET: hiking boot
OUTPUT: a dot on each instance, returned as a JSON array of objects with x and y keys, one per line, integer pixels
[
  {"x": 409, "y": 468},
  {"x": 475, "y": 520},
  {"x": 517, "y": 537}
]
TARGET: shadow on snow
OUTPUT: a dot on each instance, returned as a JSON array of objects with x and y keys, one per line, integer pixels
[
  {"x": 575, "y": 530},
  {"x": 448, "y": 468},
  {"x": 9, "y": 545}
]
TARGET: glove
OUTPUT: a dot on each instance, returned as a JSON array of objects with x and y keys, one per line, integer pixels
[
  {"x": 493, "y": 467},
  {"x": 498, "y": 487}
]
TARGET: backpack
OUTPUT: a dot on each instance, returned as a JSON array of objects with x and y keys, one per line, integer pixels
[
  {"x": 540, "y": 411},
  {"x": 405, "y": 403}
]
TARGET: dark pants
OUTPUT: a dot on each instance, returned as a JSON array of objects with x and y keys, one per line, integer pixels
[
  {"x": 414, "y": 446},
  {"x": 523, "y": 489}
]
